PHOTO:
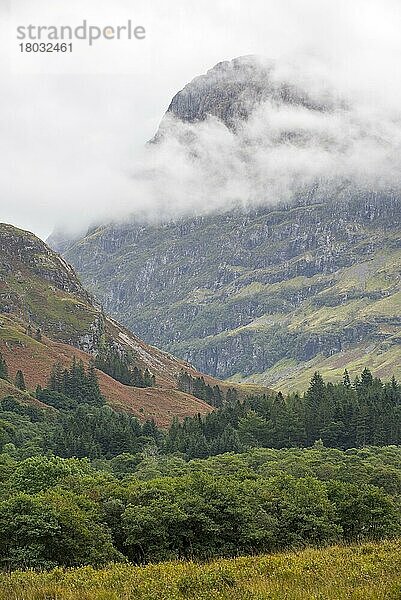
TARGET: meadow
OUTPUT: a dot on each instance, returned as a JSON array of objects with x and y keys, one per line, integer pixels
[{"x": 357, "y": 572}]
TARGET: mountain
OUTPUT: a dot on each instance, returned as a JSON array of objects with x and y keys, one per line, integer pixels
[
  {"x": 267, "y": 296},
  {"x": 276, "y": 290},
  {"x": 232, "y": 90},
  {"x": 46, "y": 316}
]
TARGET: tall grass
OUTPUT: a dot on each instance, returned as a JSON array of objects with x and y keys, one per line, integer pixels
[{"x": 364, "y": 572}]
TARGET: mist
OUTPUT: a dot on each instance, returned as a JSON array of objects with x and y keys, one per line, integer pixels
[
  {"x": 282, "y": 151},
  {"x": 74, "y": 128}
]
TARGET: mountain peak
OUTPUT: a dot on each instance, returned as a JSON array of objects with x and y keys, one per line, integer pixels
[{"x": 232, "y": 89}]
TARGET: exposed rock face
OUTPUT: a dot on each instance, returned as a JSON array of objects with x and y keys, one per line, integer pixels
[
  {"x": 233, "y": 89},
  {"x": 239, "y": 292}
]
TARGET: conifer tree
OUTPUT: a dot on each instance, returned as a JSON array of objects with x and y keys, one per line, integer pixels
[
  {"x": 3, "y": 368},
  {"x": 92, "y": 385},
  {"x": 346, "y": 379},
  {"x": 137, "y": 377},
  {"x": 314, "y": 399},
  {"x": 184, "y": 382},
  {"x": 147, "y": 378},
  {"x": 217, "y": 397},
  {"x": 20, "y": 380},
  {"x": 231, "y": 396}
]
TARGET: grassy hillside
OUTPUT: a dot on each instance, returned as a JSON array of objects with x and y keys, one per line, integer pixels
[
  {"x": 288, "y": 375},
  {"x": 267, "y": 296},
  {"x": 47, "y": 317},
  {"x": 36, "y": 360},
  {"x": 42, "y": 290},
  {"x": 364, "y": 572}
]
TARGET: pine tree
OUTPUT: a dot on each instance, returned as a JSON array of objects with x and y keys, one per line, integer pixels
[
  {"x": 231, "y": 396},
  {"x": 137, "y": 377},
  {"x": 92, "y": 385},
  {"x": 366, "y": 379},
  {"x": 147, "y": 378},
  {"x": 315, "y": 399},
  {"x": 198, "y": 446},
  {"x": 217, "y": 397},
  {"x": 149, "y": 429},
  {"x": 199, "y": 388},
  {"x": 56, "y": 381},
  {"x": 280, "y": 420},
  {"x": 3, "y": 368},
  {"x": 20, "y": 380},
  {"x": 185, "y": 382},
  {"x": 346, "y": 379},
  {"x": 76, "y": 383},
  {"x": 228, "y": 441},
  {"x": 363, "y": 436}
]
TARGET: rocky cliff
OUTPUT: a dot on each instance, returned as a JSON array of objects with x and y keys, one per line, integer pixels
[
  {"x": 262, "y": 292},
  {"x": 232, "y": 90}
]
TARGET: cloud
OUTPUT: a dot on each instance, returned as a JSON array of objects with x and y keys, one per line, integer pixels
[
  {"x": 279, "y": 151},
  {"x": 72, "y": 128}
]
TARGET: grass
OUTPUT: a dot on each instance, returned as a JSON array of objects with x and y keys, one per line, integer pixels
[
  {"x": 363, "y": 572},
  {"x": 290, "y": 376},
  {"x": 51, "y": 307}
]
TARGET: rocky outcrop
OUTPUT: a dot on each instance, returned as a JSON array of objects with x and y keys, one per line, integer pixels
[{"x": 233, "y": 89}]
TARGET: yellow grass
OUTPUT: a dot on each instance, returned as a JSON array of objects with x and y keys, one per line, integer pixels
[{"x": 364, "y": 572}]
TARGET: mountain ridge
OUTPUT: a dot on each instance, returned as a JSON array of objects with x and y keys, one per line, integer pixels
[
  {"x": 232, "y": 89},
  {"x": 46, "y": 316}
]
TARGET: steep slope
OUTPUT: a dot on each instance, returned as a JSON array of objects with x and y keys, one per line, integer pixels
[
  {"x": 231, "y": 91},
  {"x": 271, "y": 292},
  {"x": 309, "y": 280},
  {"x": 46, "y": 316}
]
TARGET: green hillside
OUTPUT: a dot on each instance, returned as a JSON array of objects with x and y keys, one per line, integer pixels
[
  {"x": 266, "y": 296},
  {"x": 47, "y": 317},
  {"x": 40, "y": 289}
]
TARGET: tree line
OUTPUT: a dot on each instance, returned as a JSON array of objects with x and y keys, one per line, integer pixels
[
  {"x": 66, "y": 512},
  {"x": 196, "y": 386},
  {"x": 83, "y": 484},
  {"x": 348, "y": 414}
]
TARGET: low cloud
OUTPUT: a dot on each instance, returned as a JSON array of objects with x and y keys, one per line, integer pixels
[
  {"x": 281, "y": 151},
  {"x": 73, "y": 128}
]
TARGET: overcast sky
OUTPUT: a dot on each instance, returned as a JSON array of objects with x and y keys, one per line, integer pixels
[{"x": 73, "y": 125}]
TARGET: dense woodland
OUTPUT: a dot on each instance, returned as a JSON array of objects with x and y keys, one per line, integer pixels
[
  {"x": 343, "y": 415},
  {"x": 83, "y": 484}
]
